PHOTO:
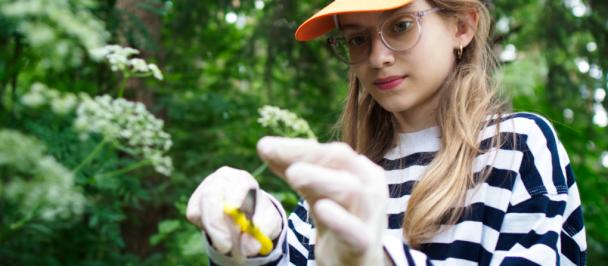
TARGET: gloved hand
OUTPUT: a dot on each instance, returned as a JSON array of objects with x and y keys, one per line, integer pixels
[
  {"x": 206, "y": 210},
  {"x": 347, "y": 192}
]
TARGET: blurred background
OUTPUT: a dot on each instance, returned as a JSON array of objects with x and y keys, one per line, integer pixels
[{"x": 88, "y": 180}]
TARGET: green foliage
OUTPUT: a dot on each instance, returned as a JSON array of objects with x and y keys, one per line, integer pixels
[
  {"x": 216, "y": 75},
  {"x": 183, "y": 242},
  {"x": 550, "y": 77},
  {"x": 37, "y": 196}
]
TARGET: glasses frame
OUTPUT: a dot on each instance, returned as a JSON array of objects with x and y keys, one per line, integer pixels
[{"x": 417, "y": 15}]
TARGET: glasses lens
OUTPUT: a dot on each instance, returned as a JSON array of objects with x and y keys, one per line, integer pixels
[
  {"x": 351, "y": 48},
  {"x": 401, "y": 32}
]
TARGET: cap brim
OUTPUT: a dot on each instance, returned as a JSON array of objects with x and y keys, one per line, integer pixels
[{"x": 323, "y": 22}]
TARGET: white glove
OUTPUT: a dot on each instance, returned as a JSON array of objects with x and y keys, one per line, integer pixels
[
  {"x": 206, "y": 210},
  {"x": 347, "y": 192}
]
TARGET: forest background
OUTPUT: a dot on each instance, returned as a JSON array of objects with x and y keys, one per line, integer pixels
[{"x": 88, "y": 179}]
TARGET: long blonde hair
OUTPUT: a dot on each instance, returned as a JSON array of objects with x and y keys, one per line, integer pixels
[{"x": 467, "y": 99}]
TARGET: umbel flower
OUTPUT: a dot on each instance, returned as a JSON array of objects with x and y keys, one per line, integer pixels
[
  {"x": 284, "y": 122},
  {"x": 119, "y": 59},
  {"x": 47, "y": 191},
  {"x": 129, "y": 126},
  {"x": 40, "y": 95},
  {"x": 57, "y": 30}
]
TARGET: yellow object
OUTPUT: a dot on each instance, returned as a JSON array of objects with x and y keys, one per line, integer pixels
[{"x": 248, "y": 227}]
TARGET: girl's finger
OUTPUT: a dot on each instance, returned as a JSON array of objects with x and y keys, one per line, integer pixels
[
  {"x": 206, "y": 205},
  {"x": 249, "y": 245},
  {"x": 215, "y": 223},
  {"x": 280, "y": 152},
  {"x": 347, "y": 228},
  {"x": 193, "y": 210},
  {"x": 314, "y": 182}
]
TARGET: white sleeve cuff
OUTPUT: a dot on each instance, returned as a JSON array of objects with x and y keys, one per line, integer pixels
[
  {"x": 400, "y": 253},
  {"x": 278, "y": 254}
]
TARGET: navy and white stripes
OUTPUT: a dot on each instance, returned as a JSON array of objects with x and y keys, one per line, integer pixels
[{"x": 526, "y": 212}]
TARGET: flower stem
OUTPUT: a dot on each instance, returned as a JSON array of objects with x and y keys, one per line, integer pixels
[
  {"x": 259, "y": 170},
  {"x": 8, "y": 231},
  {"x": 127, "y": 169},
  {"x": 123, "y": 84},
  {"x": 91, "y": 156}
]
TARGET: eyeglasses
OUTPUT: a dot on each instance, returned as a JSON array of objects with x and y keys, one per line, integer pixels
[{"x": 399, "y": 32}]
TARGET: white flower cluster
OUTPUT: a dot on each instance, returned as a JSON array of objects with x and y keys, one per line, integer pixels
[
  {"x": 40, "y": 95},
  {"x": 119, "y": 59},
  {"x": 48, "y": 191},
  {"x": 57, "y": 28},
  {"x": 130, "y": 126},
  {"x": 284, "y": 122}
]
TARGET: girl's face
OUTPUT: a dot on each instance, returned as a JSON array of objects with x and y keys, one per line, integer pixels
[{"x": 405, "y": 83}]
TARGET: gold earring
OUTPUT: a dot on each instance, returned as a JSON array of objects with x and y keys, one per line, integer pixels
[{"x": 459, "y": 52}]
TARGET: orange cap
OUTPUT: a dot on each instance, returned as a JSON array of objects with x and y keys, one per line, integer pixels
[{"x": 323, "y": 21}]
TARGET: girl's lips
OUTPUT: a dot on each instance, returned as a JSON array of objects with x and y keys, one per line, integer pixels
[{"x": 389, "y": 82}]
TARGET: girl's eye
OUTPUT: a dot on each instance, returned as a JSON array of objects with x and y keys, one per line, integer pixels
[
  {"x": 402, "y": 25},
  {"x": 356, "y": 41}
]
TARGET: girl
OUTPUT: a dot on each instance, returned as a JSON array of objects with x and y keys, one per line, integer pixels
[{"x": 432, "y": 170}]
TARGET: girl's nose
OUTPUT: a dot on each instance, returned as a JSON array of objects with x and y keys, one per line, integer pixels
[{"x": 380, "y": 55}]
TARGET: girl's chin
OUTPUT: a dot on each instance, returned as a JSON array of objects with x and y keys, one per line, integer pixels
[{"x": 394, "y": 107}]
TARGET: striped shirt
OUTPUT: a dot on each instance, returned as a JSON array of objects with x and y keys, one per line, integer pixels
[{"x": 526, "y": 212}]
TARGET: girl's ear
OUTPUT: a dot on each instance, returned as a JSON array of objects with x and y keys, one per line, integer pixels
[{"x": 466, "y": 26}]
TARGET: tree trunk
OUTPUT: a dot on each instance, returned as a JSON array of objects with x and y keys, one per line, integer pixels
[
  {"x": 142, "y": 222},
  {"x": 146, "y": 40}
]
